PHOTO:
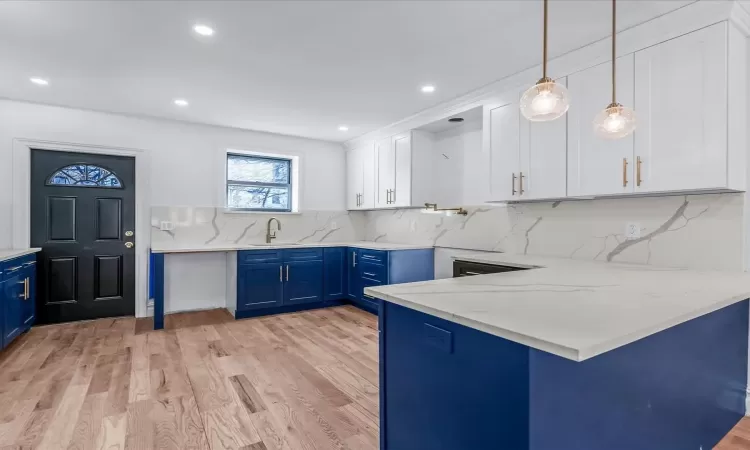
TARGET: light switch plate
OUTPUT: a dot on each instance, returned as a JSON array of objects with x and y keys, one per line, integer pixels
[{"x": 632, "y": 230}]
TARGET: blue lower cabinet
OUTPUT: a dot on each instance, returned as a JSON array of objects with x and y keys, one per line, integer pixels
[
  {"x": 275, "y": 281},
  {"x": 354, "y": 285},
  {"x": 303, "y": 282},
  {"x": 28, "y": 306},
  {"x": 259, "y": 286},
  {"x": 334, "y": 274},
  {"x": 14, "y": 288}
]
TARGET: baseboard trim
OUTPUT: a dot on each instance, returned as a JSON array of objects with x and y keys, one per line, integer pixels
[{"x": 248, "y": 313}]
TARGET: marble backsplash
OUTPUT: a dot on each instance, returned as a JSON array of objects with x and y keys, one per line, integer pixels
[
  {"x": 695, "y": 231},
  {"x": 216, "y": 226}
]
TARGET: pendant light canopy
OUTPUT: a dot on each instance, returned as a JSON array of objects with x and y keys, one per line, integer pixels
[
  {"x": 546, "y": 100},
  {"x": 616, "y": 121}
]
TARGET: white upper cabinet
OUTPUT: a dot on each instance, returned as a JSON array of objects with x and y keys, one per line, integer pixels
[
  {"x": 543, "y": 157},
  {"x": 360, "y": 178},
  {"x": 502, "y": 135},
  {"x": 385, "y": 156},
  {"x": 401, "y": 193},
  {"x": 681, "y": 101},
  {"x": 527, "y": 159},
  {"x": 598, "y": 166},
  {"x": 354, "y": 178}
]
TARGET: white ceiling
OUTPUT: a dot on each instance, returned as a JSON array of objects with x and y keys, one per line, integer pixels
[{"x": 293, "y": 67}]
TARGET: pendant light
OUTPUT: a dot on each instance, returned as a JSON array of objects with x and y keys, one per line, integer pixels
[
  {"x": 546, "y": 100},
  {"x": 616, "y": 121}
]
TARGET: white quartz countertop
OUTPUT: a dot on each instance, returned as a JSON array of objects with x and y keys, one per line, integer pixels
[
  {"x": 281, "y": 245},
  {"x": 573, "y": 309},
  {"x": 8, "y": 253}
]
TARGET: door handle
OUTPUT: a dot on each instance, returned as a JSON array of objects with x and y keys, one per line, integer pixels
[
  {"x": 287, "y": 272},
  {"x": 513, "y": 184},
  {"x": 354, "y": 259},
  {"x": 28, "y": 288},
  {"x": 128, "y": 233},
  {"x": 520, "y": 183},
  {"x": 25, "y": 284},
  {"x": 128, "y": 245},
  {"x": 638, "y": 171},
  {"x": 624, "y": 172},
  {"x": 281, "y": 274}
]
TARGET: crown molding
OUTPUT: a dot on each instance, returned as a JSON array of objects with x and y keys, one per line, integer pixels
[{"x": 691, "y": 17}]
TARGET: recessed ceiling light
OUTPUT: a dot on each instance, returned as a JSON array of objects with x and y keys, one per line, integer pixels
[
  {"x": 39, "y": 81},
  {"x": 427, "y": 89},
  {"x": 203, "y": 30},
  {"x": 181, "y": 102},
  {"x": 343, "y": 128}
]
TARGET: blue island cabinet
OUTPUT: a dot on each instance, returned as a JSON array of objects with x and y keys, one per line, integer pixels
[
  {"x": 445, "y": 386},
  {"x": 17, "y": 297}
]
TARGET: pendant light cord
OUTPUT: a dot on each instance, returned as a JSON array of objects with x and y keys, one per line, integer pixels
[
  {"x": 614, "y": 38},
  {"x": 544, "y": 45}
]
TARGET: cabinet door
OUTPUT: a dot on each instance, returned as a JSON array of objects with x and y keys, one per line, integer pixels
[
  {"x": 681, "y": 102},
  {"x": 12, "y": 302},
  {"x": 354, "y": 178},
  {"x": 504, "y": 152},
  {"x": 401, "y": 195},
  {"x": 368, "y": 177},
  {"x": 28, "y": 306},
  {"x": 595, "y": 165},
  {"x": 354, "y": 288},
  {"x": 259, "y": 286},
  {"x": 385, "y": 156},
  {"x": 303, "y": 282},
  {"x": 543, "y": 150},
  {"x": 334, "y": 273}
]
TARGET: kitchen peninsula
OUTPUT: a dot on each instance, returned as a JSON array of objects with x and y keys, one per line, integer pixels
[{"x": 565, "y": 355}]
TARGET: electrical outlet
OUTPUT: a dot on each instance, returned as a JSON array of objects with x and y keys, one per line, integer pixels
[
  {"x": 632, "y": 230},
  {"x": 166, "y": 225},
  {"x": 334, "y": 226}
]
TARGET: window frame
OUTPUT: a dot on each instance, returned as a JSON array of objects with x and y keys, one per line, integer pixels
[{"x": 289, "y": 186}]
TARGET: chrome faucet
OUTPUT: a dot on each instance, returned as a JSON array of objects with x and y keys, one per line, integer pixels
[{"x": 269, "y": 234}]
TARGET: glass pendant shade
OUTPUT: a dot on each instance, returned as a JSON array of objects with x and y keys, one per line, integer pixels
[
  {"x": 545, "y": 101},
  {"x": 615, "y": 122}
]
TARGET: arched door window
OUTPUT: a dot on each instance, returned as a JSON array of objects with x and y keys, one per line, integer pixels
[{"x": 84, "y": 175}]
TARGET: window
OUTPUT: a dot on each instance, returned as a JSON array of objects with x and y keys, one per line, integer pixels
[
  {"x": 258, "y": 183},
  {"x": 84, "y": 175}
]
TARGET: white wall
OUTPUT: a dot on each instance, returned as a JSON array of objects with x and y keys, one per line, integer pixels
[{"x": 187, "y": 159}]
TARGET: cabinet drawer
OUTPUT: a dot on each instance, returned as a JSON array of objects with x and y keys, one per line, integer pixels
[
  {"x": 258, "y": 256},
  {"x": 373, "y": 256},
  {"x": 303, "y": 254},
  {"x": 15, "y": 266},
  {"x": 375, "y": 272}
]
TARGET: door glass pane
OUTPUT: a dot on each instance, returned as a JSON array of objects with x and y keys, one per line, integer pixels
[
  {"x": 258, "y": 197},
  {"x": 84, "y": 175},
  {"x": 261, "y": 170}
]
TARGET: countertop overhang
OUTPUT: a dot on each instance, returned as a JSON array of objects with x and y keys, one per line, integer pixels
[
  {"x": 573, "y": 309},
  {"x": 8, "y": 253}
]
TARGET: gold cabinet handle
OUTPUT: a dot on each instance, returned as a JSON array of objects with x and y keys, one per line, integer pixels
[
  {"x": 624, "y": 172},
  {"x": 513, "y": 184},
  {"x": 638, "y": 171},
  {"x": 287, "y": 272},
  {"x": 520, "y": 183},
  {"x": 28, "y": 288}
]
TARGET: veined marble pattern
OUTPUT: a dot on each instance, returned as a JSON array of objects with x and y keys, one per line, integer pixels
[
  {"x": 215, "y": 226},
  {"x": 695, "y": 231}
]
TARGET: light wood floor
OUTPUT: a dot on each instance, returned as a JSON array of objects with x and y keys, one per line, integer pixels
[{"x": 296, "y": 381}]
